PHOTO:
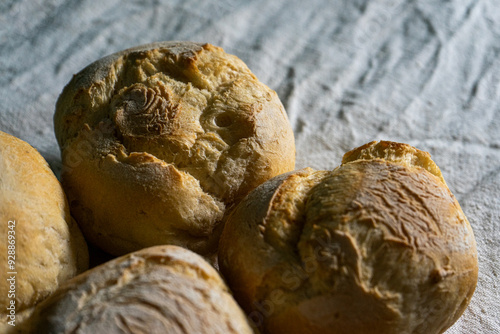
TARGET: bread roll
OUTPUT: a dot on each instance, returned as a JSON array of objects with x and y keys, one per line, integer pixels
[
  {"x": 159, "y": 140},
  {"x": 41, "y": 245},
  {"x": 161, "y": 289},
  {"x": 378, "y": 245}
]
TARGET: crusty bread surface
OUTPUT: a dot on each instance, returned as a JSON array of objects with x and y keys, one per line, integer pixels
[
  {"x": 159, "y": 140},
  {"x": 41, "y": 245},
  {"x": 378, "y": 245},
  {"x": 161, "y": 289}
]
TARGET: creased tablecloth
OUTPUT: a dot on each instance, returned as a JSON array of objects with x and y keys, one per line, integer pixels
[{"x": 348, "y": 72}]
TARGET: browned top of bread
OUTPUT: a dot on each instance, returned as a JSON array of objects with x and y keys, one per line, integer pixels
[
  {"x": 49, "y": 248},
  {"x": 162, "y": 289},
  {"x": 378, "y": 245},
  {"x": 184, "y": 129},
  {"x": 400, "y": 153}
]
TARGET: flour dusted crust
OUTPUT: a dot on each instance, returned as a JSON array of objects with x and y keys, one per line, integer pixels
[
  {"x": 161, "y": 289},
  {"x": 378, "y": 245},
  {"x": 159, "y": 140},
  {"x": 49, "y": 247}
]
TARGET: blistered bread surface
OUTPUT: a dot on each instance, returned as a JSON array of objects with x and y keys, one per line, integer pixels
[
  {"x": 158, "y": 141},
  {"x": 378, "y": 245}
]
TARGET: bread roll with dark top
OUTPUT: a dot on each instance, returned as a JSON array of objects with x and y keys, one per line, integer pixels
[
  {"x": 159, "y": 140},
  {"x": 41, "y": 246},
  {"x": 161, "y": 289},
  {"x": 378, "y": 245}
]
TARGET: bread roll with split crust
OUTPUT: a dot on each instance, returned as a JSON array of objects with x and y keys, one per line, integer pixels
[
  {"x": 378, "y": 245},
  {"x": 161, "y": 289},
  {"x": 159, "y": 140},
  {"x": 39, "y": 237}
]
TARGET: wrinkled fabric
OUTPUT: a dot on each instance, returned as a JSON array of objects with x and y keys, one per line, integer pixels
[{"x": 426, "y": 73}]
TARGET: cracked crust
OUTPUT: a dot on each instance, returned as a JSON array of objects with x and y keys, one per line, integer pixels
[
  {"x": 159, "y": 140},
  {"x": 49, "y": 247},
  {"x": 377, "y": 245},
  {"x": 161, "y": 289}
]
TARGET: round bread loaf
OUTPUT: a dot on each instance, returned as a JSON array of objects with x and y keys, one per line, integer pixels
[
  {"x": 159, "y": 140},
  {"x": 41, "y": 245},
  {"x": 378, "y": 245},
  {"x": 161, "y": 289}
]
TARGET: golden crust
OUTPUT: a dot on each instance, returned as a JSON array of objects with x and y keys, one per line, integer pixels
[
  {"x": 400, "y": 153},
  {"x": 155, "y": 290},
  {"x": 377, "y": 245},
  {"x": 49, "y": 247},
  {"x": 159, "y": 140}
]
